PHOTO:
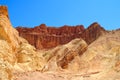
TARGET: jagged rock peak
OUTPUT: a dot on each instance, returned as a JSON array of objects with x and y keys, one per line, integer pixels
[
  {"x": 42, "y": 26},
  {"x": 4, "y": 11},
  {"x": 93, "y": 32},
  {"x": 7, "y": 32},
  {"x": 95, "y": 25}
]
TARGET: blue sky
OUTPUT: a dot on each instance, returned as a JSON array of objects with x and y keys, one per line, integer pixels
[{"x": 31, "y": 13}]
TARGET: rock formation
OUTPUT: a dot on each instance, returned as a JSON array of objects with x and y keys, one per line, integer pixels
[
  {"x": 91, "y": 56},
  {"x": 8, "y": 33},
  {"x": 49, "y": 37},
  {"x": 103, "y": 56},
  {"x": 92, "y": 32},
  {"x": 9, "y": 42},
  {"x": 96, "y": 61},
  {"x": 4, "y": 11},
  {"x": 62, "y": 56},
  {"x": 15, "y": 52}
]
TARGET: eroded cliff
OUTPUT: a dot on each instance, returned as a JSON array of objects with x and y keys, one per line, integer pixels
[
  {"x": 48, "y": 37},
  {"x": 15, "y": 52}
]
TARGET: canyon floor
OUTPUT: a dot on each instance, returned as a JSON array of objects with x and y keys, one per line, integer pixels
[{"x": 67, "y": 76}]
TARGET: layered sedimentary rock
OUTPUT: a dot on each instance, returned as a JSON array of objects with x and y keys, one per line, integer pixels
[
  {"x": 99, "y": 60},
  {"x": 103, "y": 56},
  {"x": 92, "y": 32},
  {"x": 8, "y": 33},
  {"x": 49, "y": 37},
  {"x": 62, "y": 56},
  {"x": 15, "y": 52},
  {"x": 9, "y": 42}
]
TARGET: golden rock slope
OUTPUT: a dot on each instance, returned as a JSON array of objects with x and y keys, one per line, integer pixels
[
  {"x": 100, "y": 61},
  {"x": 15, "y": 52},
  {"x": 64, "y": 56}
]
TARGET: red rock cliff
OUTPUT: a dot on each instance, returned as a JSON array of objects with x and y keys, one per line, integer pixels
[{"x": 48, "y": 37}]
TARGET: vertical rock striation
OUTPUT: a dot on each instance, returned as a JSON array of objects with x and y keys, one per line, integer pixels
[
  {"x": 49, "y": 37},
  {"x": 92, "y": 32}
]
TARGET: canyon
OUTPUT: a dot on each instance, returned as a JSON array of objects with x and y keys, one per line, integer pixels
[{"x": 65, "y": 53}]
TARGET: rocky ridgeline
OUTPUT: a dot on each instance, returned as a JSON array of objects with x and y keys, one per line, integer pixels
[{"x": 48, "y": 37}]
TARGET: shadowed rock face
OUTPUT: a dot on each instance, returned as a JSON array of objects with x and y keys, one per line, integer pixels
[
  {"x": 92, "y": 33},
  {"x": 49, "y": 37}
]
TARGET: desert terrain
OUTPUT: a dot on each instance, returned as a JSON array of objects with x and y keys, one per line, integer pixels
[{"x": 64, "y": 53}]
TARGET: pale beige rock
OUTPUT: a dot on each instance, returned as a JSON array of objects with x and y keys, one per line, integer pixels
[
  {"x": 8, "y": 33},
  {"x": 9, "y": 43},
  {"x": 15, "y": 52},
  {"x": 63, "y": 56},
  {"x": 28, "y": 59},
  {"x": 7, "y": 60},
  {"x": 101, "y": 61}
]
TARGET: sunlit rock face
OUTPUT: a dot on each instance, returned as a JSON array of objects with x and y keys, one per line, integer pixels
[
  {"x": 87, "y": 54},
  {"x": 8, "y": 33},
  {"x": 77, "y": 60},
  {"x": 103, "y": 56},
  {"x": 64, "y": 56},
  {"x": 4, "y": 11},
  {"x": 48, "y": 37},
  {"x": 43, "y": 37},
  {"x": 13, "y": 48},
  {"x": 8, "y": 44},
  {"x": 28, "y": 59}
]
